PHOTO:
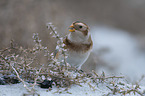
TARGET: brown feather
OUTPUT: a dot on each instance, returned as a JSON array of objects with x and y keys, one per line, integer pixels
[
  {"x": 78, "y": 47},
  {"x": 85, "y": 32}
]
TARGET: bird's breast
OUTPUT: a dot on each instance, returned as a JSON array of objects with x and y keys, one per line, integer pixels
[{"x": 77, "y": 59}]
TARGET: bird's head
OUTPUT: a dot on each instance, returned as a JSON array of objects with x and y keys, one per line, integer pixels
[
  {"x": 79, "y": 32},
  {"x": 79, "y": 27}
]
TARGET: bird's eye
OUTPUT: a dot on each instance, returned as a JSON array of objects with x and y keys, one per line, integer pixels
[{"x": 80, "y": 27}]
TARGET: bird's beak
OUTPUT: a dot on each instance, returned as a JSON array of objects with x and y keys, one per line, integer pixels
[{"x": 71, "y": 28}]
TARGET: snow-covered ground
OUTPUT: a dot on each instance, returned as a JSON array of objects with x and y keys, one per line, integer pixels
[
  {"x": 18, "y": 90},
  {"x": 123, "y": 54},
  {"x": 85, "y": 90}
]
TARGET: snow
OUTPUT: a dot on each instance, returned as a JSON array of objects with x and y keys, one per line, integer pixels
[
  {"x": 19, "y": 90},
  {"x": 123, "y": 53},
  {"x": 85, "y": 90}
]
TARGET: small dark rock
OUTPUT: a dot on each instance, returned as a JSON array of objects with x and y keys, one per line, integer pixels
[
  {"x": 82, "y": 71},
  {"x": 2, "y": 82},
  {"x": 11, "y": 79},
  {"x": 46, "y": 84}
]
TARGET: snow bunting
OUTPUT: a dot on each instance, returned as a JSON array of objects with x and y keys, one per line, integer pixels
[{"x": 78, "y": 44}]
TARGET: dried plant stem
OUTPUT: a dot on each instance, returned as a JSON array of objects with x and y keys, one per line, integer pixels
[
  {"x": 117, "y": 89},
  {"x": 134, "y": 90},
  {"x": 61, "y": 42},
  {"x": 103, "y": 77},
  {"x": 54, "y": 32},
  {"x": 109, "y": 77},
  {"x": 37, "y": 74},
  {"x": 18, "y": 76}
]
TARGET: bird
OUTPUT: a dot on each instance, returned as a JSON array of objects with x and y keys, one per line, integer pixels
[{"x": 78, "y": 44}]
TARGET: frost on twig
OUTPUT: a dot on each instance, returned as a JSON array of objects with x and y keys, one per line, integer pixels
[
  {"x": 60, "y": 44},
  {"x": 124, "y": 89}
]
